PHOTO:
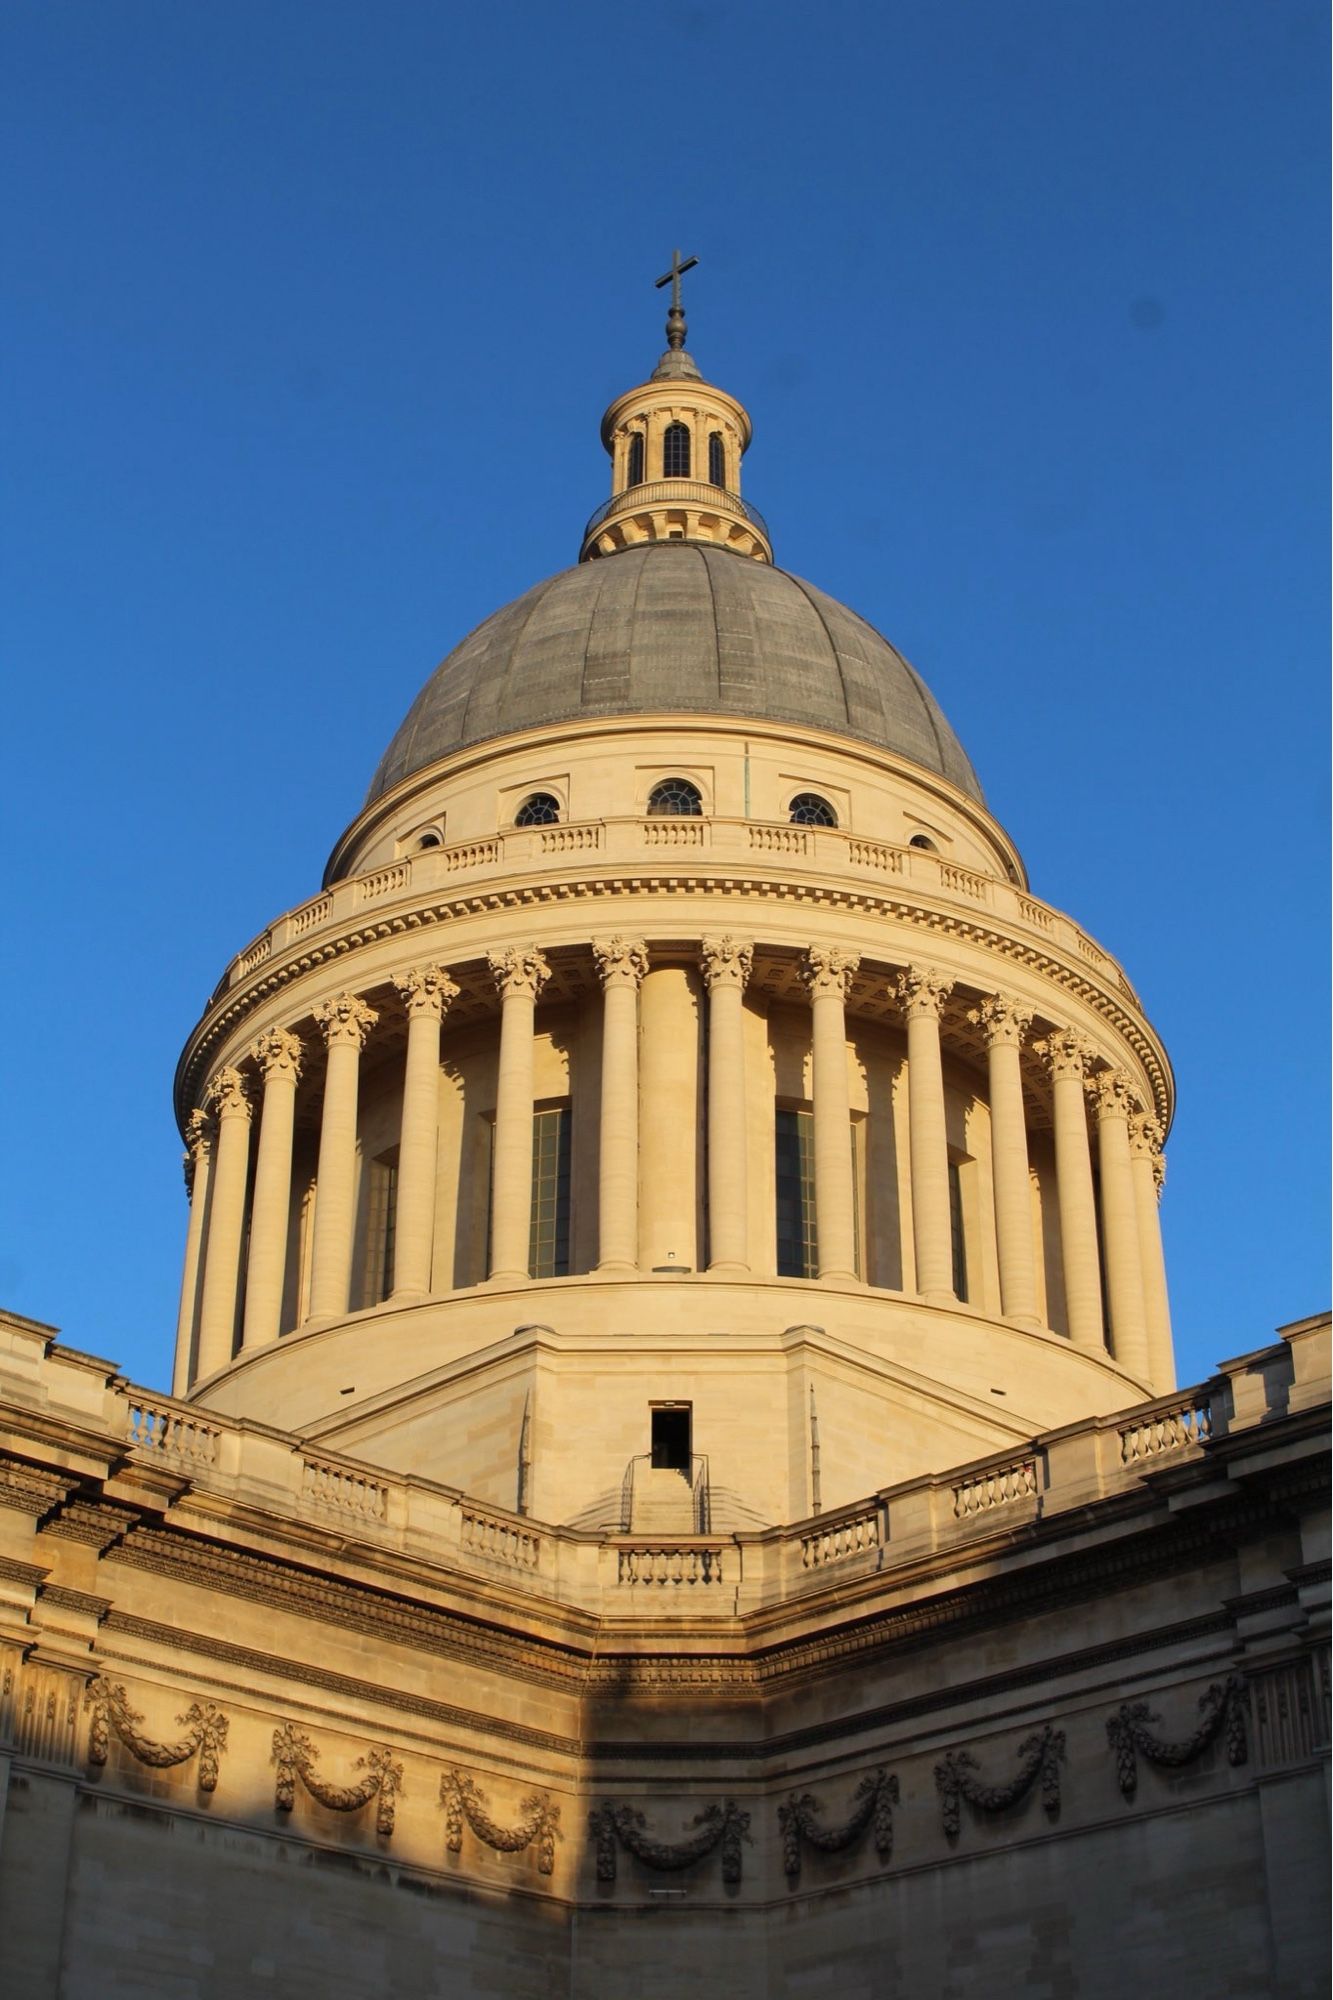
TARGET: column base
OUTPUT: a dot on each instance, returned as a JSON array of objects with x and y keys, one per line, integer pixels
[
  {"x": 617, "y": 1267},
  {"x": 838, "y": 1277},
  {"x": 733, "y": 1268}
]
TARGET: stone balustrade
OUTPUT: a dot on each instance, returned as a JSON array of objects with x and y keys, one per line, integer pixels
[
  {"x": 825, "y": 851},
  {"x": 938, "y": 1515}
]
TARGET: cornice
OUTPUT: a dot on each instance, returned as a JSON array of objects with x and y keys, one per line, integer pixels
[
  {"x": 177, "y": 1640},
  {"x": 912, "y": 913}
]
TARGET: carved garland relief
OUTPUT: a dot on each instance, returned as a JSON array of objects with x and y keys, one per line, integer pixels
[{"x": 721, "y": 1826}]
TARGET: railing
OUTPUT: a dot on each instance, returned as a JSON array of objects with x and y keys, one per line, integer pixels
[
  {"x": 839, "y": 1537},
  {"x": 1186, "y": 1422},
  {"x": 620, "y": 841},
  {"x": 383, "y": 882},
  {"x": 1063, "y": 1471},
  {"x": 671, "y": 1563},
  {"x": 668, "y": 492},
  {"x": 343, "y": 1490},
  {"x": 701, "y": 1496},
  {"x": 503, "y": 1541},
  {"x": 173, "y": 1434},
  {"x": 995, "y": 1486}
]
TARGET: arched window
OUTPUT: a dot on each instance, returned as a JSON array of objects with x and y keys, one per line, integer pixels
[
  {"x": 634, "y": 464},
  {"x": 538, "y": 809},
  {"x": 717, "y": 460},
  {"x": 675, "y": 795},
  {"x": 428, "y": 839},
  {"x": 808, "y": 809},
  {"x": 923, "y": 840},
  {"x": 676, "y": 452}
]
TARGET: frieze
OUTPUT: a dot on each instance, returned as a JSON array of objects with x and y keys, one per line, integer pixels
[
  {"x": 1223, "y": 1709},
  {"x": 464, "y": 1801},
  {"x": 800, "y": 1824},
  {"x": 294, "y": 1756},
  {"x": 204, "y": 1724},
  {"x": 956, "y": 1780},
  {"x": 430, "y": 1714},
  {"x": 1070, "y": 977},
  {"x": 720, "y": 1825}
]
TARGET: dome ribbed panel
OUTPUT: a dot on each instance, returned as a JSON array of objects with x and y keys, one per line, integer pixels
[{"x": 674, "y": 627}]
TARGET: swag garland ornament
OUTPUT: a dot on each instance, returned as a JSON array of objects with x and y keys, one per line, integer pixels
[
  {"x": 872, "y": 1803},
  {"x": 724, "y": 1826},
  {"x": 294, "y": 1755},
  {"x": 1043, "y": 1753},
  {"x": 1223, "y": 1709},
  {"x": 203, "y": 1721},
  {"x": 540, "y": 1826}
]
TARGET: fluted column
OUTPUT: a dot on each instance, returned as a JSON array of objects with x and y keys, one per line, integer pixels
[
  {"x": 621, "y": 965},
  {"x": 725, "y": 963},
  {"x": 426, "y": 993},
  {"x": 1149, "y": 1170},
  {"x": 828, "y": 976},
  {"x": 519, "y": 977},
  {"x": 277, "y": 1056},
  {"x": 1005, "y": 1022},
  {"x": 1111, "y": 1093},
  {"x": 200, "y": 1134},
  {"x": 229, "y": 1096},
  {"x": 344, "y": 1024},
  {"x": 921, "y": 992},
  {"x": 1067, "y": 1056}
]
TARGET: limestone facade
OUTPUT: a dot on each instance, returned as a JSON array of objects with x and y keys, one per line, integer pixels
[
  {"x": 674, "y": 1468},
  {"x": 276, "y": 1717}
]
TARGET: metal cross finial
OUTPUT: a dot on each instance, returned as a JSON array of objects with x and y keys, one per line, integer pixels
[{"x": 675, "y": 326}]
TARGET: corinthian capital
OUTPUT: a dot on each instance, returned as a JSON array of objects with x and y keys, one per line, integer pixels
[
  {"x": 278, "y": 1053},
  {"x": 621, "y": 961},
  {"x": 1112, "y": 1091},
  {"x": 725, "y": 961},
  {"x": 1145, "y": 1134},
  {"x": 921, "y": 990},
  {"x": 518, "y": 969},
  {"x": 1004, "y": 1022},
  {"x": 229, "y": 1094},
  {"x": 825, "y": 969},
  {"x": 345, "y": 1020},
  {"x": 200, "y": 1132},
  {"x": 1066, "y": 1053},
  {"x": 426, "y": 989}
]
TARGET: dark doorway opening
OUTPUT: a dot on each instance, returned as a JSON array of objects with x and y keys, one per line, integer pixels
[{"x": 671, "y": 1437}]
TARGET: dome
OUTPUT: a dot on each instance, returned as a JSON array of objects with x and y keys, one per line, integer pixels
[{"x": 681, "y": 627}]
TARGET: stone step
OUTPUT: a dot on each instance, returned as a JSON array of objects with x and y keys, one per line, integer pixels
[{"x": 663, "y": 1503}]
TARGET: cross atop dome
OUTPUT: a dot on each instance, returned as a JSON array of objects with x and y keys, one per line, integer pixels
[{"x": 675, "y": 324}]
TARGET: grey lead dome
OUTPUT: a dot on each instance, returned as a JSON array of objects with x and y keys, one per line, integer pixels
[{"x": 683, "y": 628}]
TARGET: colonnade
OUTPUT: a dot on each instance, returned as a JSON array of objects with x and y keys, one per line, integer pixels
[{"x": 1125, "y": 1250}]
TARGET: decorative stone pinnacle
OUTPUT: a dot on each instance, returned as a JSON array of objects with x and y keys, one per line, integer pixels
[
  {"x": 921, "y": 990},
  {"x": 828, "y": 970},
  {"x": 725, "y": 961},
  {"x": 277, "y": 1051},
  {"x": 621, "y": 961},
  {"x": 518, "y": 970},
  {"x": 426, "y": 989},
  {"x": 1004, "y": 1021},
  {"x": 345, "y": 1019}
]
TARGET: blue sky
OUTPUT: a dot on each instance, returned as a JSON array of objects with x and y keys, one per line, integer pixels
[{"x": 313, "y": 310}]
